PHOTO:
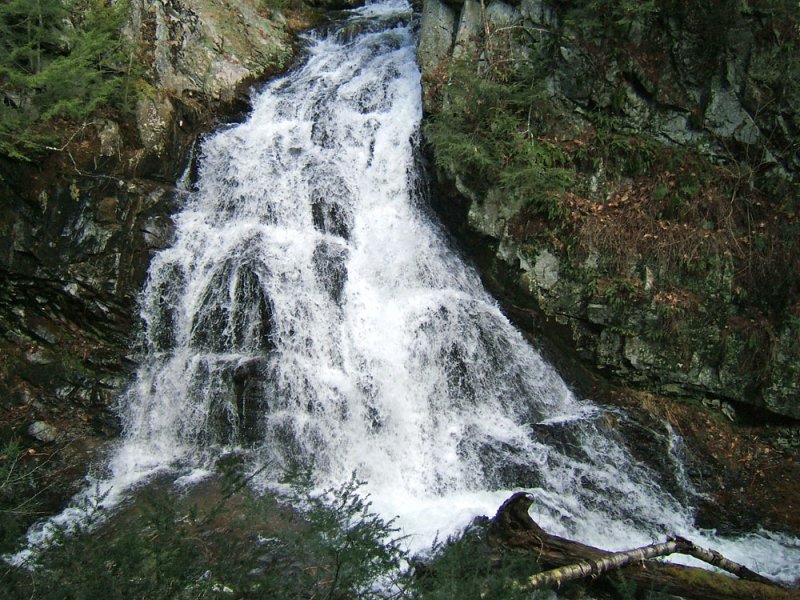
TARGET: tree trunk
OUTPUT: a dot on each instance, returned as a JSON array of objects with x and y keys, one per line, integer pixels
[{"x": 513, "y": 527}]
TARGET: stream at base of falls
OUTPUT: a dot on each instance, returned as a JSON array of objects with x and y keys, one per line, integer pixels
[{"x": 311, "y": 312}]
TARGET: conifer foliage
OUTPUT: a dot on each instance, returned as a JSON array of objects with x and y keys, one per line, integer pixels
[{"x": 58, "y": 60}]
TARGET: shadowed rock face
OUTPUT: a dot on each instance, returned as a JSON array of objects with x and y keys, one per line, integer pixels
[
  {"x": 675, "y": 81},
  {"x": 75, "y": 251}
]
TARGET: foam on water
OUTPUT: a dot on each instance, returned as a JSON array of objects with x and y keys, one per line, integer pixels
[{"x": 310, "y": 311}]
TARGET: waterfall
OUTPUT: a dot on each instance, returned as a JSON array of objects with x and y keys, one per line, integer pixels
[{"x": 310, "y": 311}]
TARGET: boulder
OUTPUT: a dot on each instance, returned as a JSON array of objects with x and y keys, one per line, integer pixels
[
  {"x": 44, "y": 432},
  {"x": 437, "y": 31}
]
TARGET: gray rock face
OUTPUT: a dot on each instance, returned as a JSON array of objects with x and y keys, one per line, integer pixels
[
  {"x": 727, "y": 118},
  {"x": 537, "y": 11},
  {"x": 500, "y": 14},
  {"x": 783, "y": 387},
  {"x": 545, "y": 270},
  {"x": 154, "y": 119},
  {"x": 110, "y": 137},
  {"x": 437, "y": 30},
  {"x": 203, "y": 51},
  {"x": 677, "y": 102},
  {"x": 641, "y": 339},
  {"x": 209, "y": 46},
  {"x": 469, "y": 29}
]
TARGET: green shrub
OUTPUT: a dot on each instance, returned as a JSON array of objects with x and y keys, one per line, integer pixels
[
  {"x": 342, "y": 547},
  {"x": 18, "y": 495},
  {"x": 244, "y": 546},
  {"x": 487, "y": 134},
  {"x": 226, "y": 541},
  {"x": 58, "y": 60}
]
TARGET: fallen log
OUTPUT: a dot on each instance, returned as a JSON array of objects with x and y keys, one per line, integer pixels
[
  {"x": 513, "y": 527},
  {"x": 617, "y": 560}
]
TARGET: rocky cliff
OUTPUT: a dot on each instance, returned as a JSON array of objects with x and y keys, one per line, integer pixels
[
  {"x": 77, "y": 228},
  {"x": 631, "y": 172}
]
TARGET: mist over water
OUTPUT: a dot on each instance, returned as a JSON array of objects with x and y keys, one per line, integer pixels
[{"x": 310, "y": 312}]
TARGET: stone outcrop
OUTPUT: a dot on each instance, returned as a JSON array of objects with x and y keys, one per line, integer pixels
[
  {"x": 201, "y": 52},
  {"x": 436, "y": 42},
  {"x": 662, "y": 80}
]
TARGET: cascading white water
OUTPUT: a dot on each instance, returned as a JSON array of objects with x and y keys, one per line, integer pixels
[{"x": 310, "y": 311}]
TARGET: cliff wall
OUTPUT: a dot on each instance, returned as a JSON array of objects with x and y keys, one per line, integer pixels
[
  {"x": 79, "y": 223},
  {"x": 628, "y": 172}
]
